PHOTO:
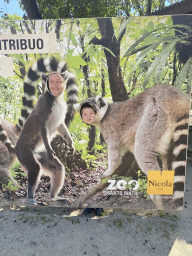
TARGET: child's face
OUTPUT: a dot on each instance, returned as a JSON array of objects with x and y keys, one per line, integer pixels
[{"x": 88, "y": 115}]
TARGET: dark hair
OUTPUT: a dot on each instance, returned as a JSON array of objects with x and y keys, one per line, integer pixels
[{"x": 88, "y": 104}]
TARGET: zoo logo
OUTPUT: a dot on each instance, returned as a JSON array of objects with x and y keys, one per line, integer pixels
[{"x": 121, "y": 184}]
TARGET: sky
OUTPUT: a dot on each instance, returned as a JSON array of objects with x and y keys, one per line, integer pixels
[{"x": 11, "y": 8}]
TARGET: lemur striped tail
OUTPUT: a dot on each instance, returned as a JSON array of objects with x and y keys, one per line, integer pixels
[
  {"x": 180, "y": 140},
  {"x": 47, "y": 65}
]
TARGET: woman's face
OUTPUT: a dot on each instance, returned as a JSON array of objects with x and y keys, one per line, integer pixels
[
  {"x": 56, "y": 85},
  {"x": 88, "y": 115}
]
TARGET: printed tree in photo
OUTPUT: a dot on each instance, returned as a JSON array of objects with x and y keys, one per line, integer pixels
[{"x": 109, "y": 41}]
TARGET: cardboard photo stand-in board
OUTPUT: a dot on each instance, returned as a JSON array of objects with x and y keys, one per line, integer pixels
[{"x": 142, "y": 143}]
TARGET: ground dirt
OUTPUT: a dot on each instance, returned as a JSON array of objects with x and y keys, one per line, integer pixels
[{"x": 44, "y": 231}]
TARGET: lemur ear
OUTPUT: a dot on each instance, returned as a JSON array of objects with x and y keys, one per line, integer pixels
[
  {"x": 100, "y": 102},
  {"x": 77, "y": 106},
  {"x": 44, "y": 77},
  {"x": 64, "y": 75}
]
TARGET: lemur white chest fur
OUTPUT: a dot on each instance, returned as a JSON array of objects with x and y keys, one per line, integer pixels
[
  {"x": 55, "y": 119},
  {"x": 57, "y": 116}
]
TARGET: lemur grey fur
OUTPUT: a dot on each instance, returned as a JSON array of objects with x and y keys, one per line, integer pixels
[
  {"x": 44, "y": 65},
  {"x": 152, "y": 124}
]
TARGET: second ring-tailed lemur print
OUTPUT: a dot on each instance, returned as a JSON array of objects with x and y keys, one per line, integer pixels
[{"x": 153, "y": 126}]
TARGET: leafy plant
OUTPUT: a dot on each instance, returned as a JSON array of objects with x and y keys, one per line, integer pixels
[
  {"x": 10, "y": 186},
  {"x": 154, "y": 53},
  {"x": 16, "y": 169},
  {"x": 142, "y": 185}
]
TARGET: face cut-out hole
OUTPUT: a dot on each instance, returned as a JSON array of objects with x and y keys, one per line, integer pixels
[
  {"x": 88, "y": 113},
  {"x": 56, "y": 84}
]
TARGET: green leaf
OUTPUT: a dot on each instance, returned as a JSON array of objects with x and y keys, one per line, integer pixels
[
  {"x": 183, "y": 73},
  {"x": 98, "y": 147},
  {"x": 91, "y": 157},
  {"x": 163, "y": 56},
  {"x": 76, "y": 62},
  {"x": 160, "y": 25},
  {"x": 160, "y": 58},
  {"x": 107, "y": 49},
  {"x": 73, "y": 39},
  {"x": 169, "y": 22},
  {"x": 139, "y": 59},
  {"x": 189, "y": 78},
  {"x": 105, "y": 180},
  {"x": 150, "y": 26},
  {"x": 141, "y": 39},
  {"x": 123, "y": 27}
]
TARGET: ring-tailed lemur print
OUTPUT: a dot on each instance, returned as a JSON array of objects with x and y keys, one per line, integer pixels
[
  {"x": 153, "y": 126},
  {"x": 56, "y": 111}
]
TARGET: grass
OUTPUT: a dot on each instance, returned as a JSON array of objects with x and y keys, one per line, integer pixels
[
  {"x": 165, "y": 234},
  {"x": 161, "y": 214},
  {"x": 119, "y": 223},
  {"x": 73, "y": 220},
  {"x": 33, "y": 219}
]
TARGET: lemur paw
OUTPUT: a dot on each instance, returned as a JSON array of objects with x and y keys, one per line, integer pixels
[
  {"x": 31, "y": 200},
  {"x": 107, "y": 173}
]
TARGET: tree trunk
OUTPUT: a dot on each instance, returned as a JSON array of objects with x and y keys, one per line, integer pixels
[
  {"x": 108, "y": 40},
  {"x": 102, "y": 83},
  {"x": 92, "y": 135},
  {"x": 31, "y": 9},
  {"x": 57, "y": 30},
  {"x": 149, "y": 7},
  {"x": 91, "y": 130}
]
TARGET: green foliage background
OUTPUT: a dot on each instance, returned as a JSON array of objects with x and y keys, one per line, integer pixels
[{"x": 147, "y": 55}]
